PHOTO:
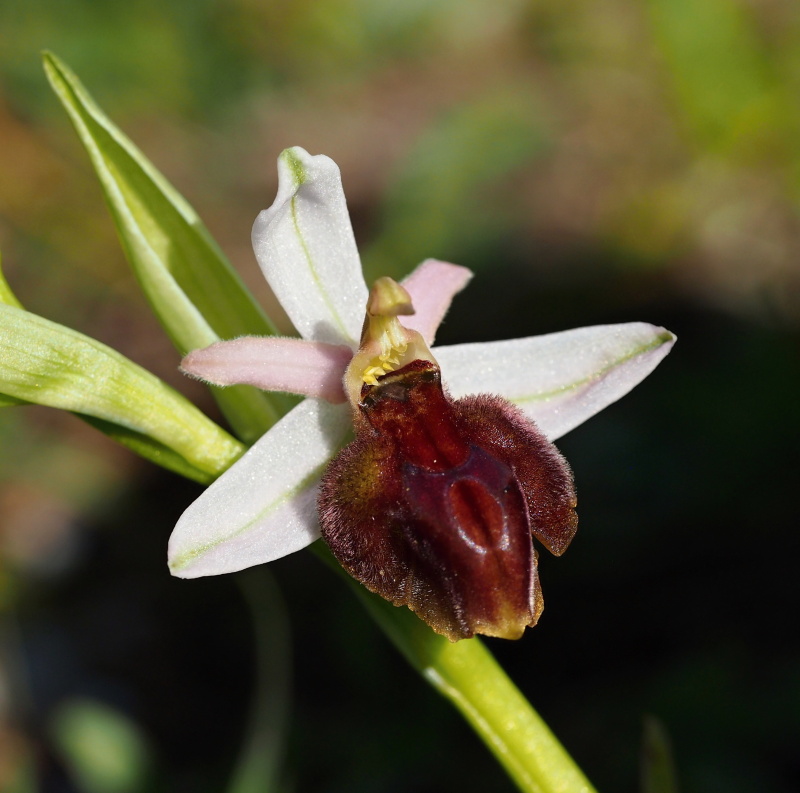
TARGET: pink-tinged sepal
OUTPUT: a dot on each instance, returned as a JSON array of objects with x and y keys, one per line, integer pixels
[{"x": 297, "y": 366}]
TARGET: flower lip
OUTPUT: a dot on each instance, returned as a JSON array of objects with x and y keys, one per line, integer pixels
[{"x": 444, "y": 495}]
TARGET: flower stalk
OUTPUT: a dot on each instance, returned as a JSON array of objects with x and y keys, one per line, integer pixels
[{"x": 467, "y": 674}]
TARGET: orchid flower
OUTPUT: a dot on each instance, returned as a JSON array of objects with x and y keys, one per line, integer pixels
[{"x": 265, "y": 505}]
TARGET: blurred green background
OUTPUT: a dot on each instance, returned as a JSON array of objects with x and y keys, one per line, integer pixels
[{"x": 592, "y": 162}]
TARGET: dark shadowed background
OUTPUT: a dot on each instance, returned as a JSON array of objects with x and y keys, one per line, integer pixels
[{"x": 591, "y": 163}]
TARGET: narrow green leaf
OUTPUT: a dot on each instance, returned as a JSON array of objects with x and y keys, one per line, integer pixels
[
  {"x": 47, "y": 364},
  {"x": 195, "y": 293},
  {"x": 150, "y": 449},
  {"x": 141, "y": 444},
  {"x": 8, "y": 298},
  {"x": 6, "y": 295}
]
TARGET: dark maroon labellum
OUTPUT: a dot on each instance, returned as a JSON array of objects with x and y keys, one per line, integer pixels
[{"x": 434, "y": 503}]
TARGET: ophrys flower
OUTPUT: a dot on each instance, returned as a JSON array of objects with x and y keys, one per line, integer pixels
[{"x": 265, "y": 506}]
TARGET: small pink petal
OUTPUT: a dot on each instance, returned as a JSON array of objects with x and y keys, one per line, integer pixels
[
  {"x": 432, "y": 287},
  {"x": 310, "y": 368}
]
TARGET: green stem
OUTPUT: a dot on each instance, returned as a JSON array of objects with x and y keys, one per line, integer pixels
[{"x": 467, "y": 674}]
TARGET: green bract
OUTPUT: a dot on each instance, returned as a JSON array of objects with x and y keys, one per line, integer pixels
[
  {"x": 47, "y": 364},
  {"x": 193, "y": 290}
]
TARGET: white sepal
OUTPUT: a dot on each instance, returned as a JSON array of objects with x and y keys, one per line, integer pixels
[
  {"x": 264, "y": 506},
  {"x": 559, "y": 379},
  {"x": 305, "y": 246}
]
